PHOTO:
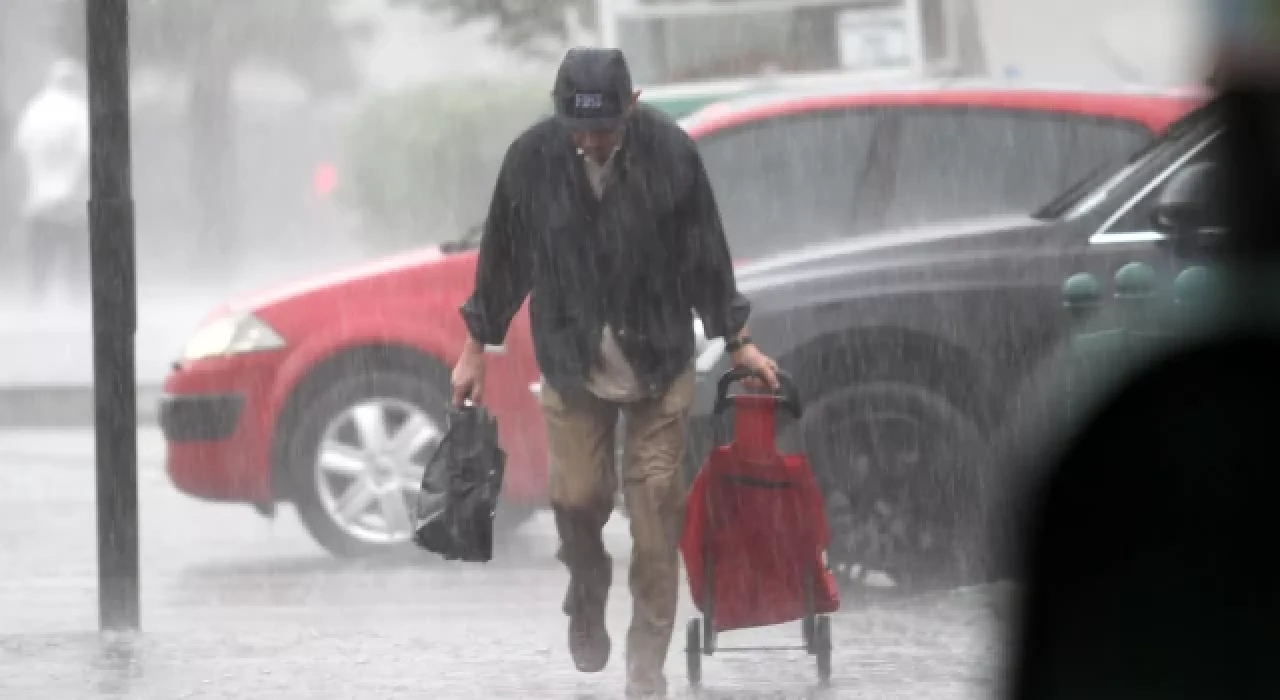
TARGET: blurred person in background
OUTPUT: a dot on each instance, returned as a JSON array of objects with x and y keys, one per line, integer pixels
[
  {"x": 9, "y": 183},
  {"x": 52, "y": 140},
  {"x": 11, "y": 191},
  {"x": 604, "y": 213}
]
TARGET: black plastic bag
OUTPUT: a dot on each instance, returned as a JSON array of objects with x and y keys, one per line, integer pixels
[{"x": 460, "y": 488}]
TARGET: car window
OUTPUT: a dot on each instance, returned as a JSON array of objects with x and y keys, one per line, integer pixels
[
  {"x": 789, "y": 181},
  {"x": 956, "y": 164}
]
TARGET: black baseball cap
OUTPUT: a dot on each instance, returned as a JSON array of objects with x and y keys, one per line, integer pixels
[{"x": 593, "y": 89}]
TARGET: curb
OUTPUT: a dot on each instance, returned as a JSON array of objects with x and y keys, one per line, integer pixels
[{"x": 64, "y": 406}]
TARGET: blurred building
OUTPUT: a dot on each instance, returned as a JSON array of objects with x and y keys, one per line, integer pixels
[
  {"x": 710, "y": 41},
  {"x": 1091, "y": 41},
  {"x": 1098, "y": 42}
]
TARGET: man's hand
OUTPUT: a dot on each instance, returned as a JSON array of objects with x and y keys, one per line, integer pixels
[
  {"x": 750, "y": 357},
  {"x": 468, "y": 374}
]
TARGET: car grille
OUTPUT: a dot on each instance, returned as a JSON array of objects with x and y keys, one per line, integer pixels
[{"x": 199, "y": 418}]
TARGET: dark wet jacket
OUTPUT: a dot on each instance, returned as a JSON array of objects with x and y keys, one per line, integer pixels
[{"x": 640, "y": 258}]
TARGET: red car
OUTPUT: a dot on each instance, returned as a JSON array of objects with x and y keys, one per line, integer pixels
[{"x": 330, "y": 393}]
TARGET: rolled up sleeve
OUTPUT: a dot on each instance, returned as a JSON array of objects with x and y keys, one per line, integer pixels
[
  {"x": 709, "y": 274},
  {"x": 504, "y": 272}
]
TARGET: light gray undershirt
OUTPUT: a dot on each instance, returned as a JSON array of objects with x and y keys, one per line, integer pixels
[{"x": 613, "y": 379}]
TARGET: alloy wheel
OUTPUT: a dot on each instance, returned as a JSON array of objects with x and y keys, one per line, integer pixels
[{"x": 370, "y": 465}]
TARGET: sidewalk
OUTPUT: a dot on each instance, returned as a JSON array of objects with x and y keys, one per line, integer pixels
[
  {"x": 46, "y": 360},
  {"x": 46, "y": 354},
  {"x": 236, "y": 606}
]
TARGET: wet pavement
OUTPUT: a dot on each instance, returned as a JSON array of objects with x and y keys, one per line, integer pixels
[
  {"x": 53, "y": 346},
  {"x": 238, "y": 606}
]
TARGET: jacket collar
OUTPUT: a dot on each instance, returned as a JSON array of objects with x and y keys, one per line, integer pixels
[{"x": 625, "y": 157}]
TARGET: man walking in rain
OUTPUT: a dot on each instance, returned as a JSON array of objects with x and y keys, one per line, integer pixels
[
  {"x": 52, "y": 139},
  {"x": 604, "y": 214}
]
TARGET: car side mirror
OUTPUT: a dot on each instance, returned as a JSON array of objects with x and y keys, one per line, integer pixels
[{"x": 1189, "y": 211}]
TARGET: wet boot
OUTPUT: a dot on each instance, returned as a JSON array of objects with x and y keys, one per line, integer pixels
[
  {"x": 590, "y": 576},
  {"x": 645, "y": 656},
  {"x": 643, "y": 685},
  {"x": 585, "y": 604}
]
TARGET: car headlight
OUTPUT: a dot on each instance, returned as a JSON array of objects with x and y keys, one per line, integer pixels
[
  {"x": 706, "y": 351},
  {"x": 235, "y": 334}
]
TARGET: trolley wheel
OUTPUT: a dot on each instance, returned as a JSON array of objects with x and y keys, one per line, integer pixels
[
  {"x": 810, "y": 614},
  {"x": 708, "y": 608},
  {"x": 822, "y": 646},
  {"x": 693, "y": 651}
]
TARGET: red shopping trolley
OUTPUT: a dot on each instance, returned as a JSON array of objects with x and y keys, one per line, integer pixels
[{"x": 755, "y": 534}]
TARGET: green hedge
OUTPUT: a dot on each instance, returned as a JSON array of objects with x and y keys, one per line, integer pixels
[{"x": 421, "y": 163}]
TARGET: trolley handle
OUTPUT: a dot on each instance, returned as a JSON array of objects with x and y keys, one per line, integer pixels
[{"x": 788, "y": 395}]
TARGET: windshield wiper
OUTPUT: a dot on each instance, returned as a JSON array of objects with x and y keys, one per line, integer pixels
[
  {"x": 1064, "y": 201},
  {"x": 469, "y": 241}
]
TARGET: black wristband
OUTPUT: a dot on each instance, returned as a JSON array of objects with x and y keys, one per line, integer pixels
[{"x": 736, "y": 344}]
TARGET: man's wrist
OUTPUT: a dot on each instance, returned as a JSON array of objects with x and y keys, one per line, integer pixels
[
  {"x": 737, "y": 343},
  {"x": 473, "y": 347}
]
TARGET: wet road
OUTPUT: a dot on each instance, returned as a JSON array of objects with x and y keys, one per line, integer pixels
[{"x": 238, "y": 606}]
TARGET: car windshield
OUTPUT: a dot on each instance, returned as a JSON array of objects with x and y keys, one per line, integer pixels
[{"x": 1094, "y": 188}]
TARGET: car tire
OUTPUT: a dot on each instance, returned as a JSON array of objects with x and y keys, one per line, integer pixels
[
  {"x": 937, "y": 469},
  {"x": 400, "y": 395}
]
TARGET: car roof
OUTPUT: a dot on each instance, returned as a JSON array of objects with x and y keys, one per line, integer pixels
[{"x": 1153, "y": 108}]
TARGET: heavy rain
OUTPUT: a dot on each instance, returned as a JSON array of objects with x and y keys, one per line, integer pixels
[{"x": 904, "y": 187}]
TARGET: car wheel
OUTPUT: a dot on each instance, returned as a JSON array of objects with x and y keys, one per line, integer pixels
[
  {"x": 902, "y": 472},
  {"x": 358, "y": 456},
  {"x": 357, "y": 459}
]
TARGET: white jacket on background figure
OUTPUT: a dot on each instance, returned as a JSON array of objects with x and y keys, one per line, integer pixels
[{"x": 52, "y": 139}]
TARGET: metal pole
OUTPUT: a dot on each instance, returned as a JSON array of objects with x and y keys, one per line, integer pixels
[{"x": 111, "y": 248}]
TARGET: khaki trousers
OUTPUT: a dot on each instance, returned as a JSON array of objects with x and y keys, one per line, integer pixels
[{"x": 583, "y": 487}]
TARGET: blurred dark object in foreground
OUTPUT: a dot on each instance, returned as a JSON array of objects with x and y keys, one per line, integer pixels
[
  {"x": 1149, "y": 571},
  {"x": 1147, "y": 566},
  {"x": 466, "y": 474}
]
